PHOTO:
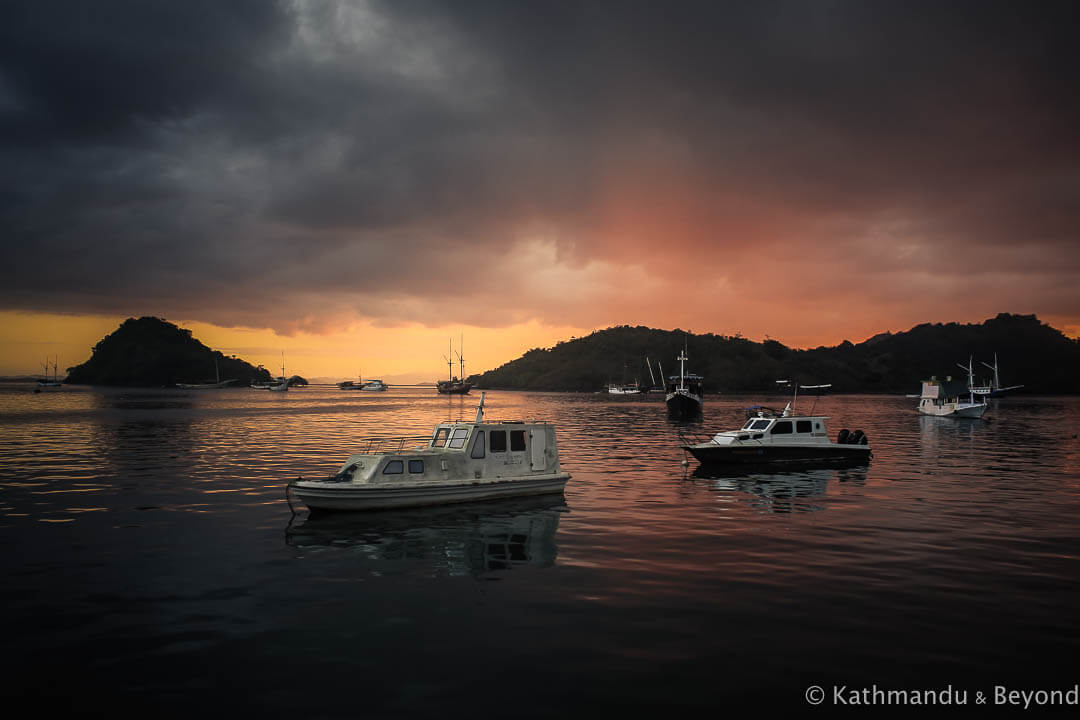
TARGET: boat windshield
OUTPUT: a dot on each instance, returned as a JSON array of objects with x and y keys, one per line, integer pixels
[
  {"x": 756, "y": 424},
  {"x": 458, "y": 438},
  {"x": 441, "y": 434}
]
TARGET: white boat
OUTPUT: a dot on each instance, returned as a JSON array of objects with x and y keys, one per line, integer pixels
[
  {"x": 769, "y": 437},
  {"x": 994, "y": 389},
  {"x": 370, "y": 385},
  {"x": 282, "y": 383},
  {"x": 631, "y": 389},
  {"x": 459, "y": 462},
  {"x": 946, "y": 398},
  {"x": 684, "y": 396}
]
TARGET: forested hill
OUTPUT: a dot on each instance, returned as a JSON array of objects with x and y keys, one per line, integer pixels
[
  {"x": 150, "y": 352},
  {"x": 1029, "y": 353}
]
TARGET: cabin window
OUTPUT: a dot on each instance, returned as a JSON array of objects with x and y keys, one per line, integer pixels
[
  {"x": 441, "y": 434},
  {"x": 817, "y": 426},
  {"x": 416, "y": 467},
  {"x": 802, "y": 426},
  {"x": 394, "y": 467},
  {"x": 457, "y": 440},
  {"x": 498, "y": 441},
  {"x": 748, "y": 424},
  {"x": 782, "y": 427},
  {"x": 517, "y": 441},
  {"x": 759, "y": 424},
  {"x": 758, "y": 436},
  {"x": 478, "y": 445}
]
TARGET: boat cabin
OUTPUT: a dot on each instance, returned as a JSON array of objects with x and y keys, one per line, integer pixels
[
  {"x": 766, "y": 427},
  {"x": 939, "y": 393},
  {"x": 482, "y": 451}
]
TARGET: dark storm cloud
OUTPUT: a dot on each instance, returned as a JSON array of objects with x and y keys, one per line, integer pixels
[{"x": 220, "y": 159}]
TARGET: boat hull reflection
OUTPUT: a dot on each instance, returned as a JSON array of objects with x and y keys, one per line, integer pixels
[
  {"x": 792, "y": 489},
  {"x": 458, "y": 539}
]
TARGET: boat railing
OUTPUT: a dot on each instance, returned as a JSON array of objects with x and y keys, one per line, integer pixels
[
  {"x": 382, "y": 445},
  {"x": 688, "y": 438}
]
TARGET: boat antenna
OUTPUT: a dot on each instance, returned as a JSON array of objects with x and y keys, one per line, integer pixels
[{"x": 480, "y": 408}]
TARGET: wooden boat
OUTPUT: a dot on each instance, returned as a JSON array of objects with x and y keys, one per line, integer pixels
[
  {"x": 454, "y": 386},
  {"x": 684, "y": 396},
  {"x": 946, "y": 398},
  {"x": 994, "y": 389}
]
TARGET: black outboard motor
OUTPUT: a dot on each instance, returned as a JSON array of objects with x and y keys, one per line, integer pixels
[
  {"x": 842, "y": 437},
  {"x": 857, "y": 438}
]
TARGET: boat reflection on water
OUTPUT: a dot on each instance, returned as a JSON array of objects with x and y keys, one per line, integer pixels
[
  {"x": 791, "y": 490},
  {"x": 471, "y": 538}
]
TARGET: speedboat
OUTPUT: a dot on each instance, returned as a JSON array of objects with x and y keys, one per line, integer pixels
[
  {"x": 459, "y": 462},
  {"x": 946, "y": 398},
  {"x": 770, "y": 437}
]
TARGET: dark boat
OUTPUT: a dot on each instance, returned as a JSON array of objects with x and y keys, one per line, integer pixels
[
  {"x": 454, "y": 386},
  {"x": 684, "y": 396}
]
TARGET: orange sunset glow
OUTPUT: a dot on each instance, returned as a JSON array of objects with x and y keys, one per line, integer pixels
[{"x": 323, "y": 189}]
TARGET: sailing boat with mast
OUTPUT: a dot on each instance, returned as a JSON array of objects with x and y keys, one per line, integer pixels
[
  {"x": 684, "y": 396},
  {"x": 455, "y": 385},
  {"x": 46, "y": 382},
  {"x": 994, "y": 389},
  {"x": 946, "y": 399},
  {"x": 282, "y": 385},
  {"x": 218, "y": 382}
]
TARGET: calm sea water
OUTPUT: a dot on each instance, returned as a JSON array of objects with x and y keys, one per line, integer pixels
[{"x": 151, "y": 562}]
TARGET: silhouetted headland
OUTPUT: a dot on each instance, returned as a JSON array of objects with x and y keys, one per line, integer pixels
[
  {"x": 1030, "y": 352},
  {"x": 150, "y": 352}
]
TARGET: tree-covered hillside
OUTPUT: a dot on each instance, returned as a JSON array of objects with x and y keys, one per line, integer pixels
[
  {"x": 1029, "y": 353},
  {"x": 150, "y": 352}
]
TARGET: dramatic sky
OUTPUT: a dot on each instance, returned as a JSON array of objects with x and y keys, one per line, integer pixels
[{"x": 356, "y": 182}]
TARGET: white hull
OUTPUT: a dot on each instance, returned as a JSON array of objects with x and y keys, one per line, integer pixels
[
  {"x": 319, "y": 495},
  {"x": 961, "y": 410}
]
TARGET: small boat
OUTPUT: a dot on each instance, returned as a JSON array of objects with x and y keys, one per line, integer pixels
[
  {"x": 684, "y": 396},
  {"x": 946, "y": 398},
  {"x": 994, "y": 389},
  {"x": 459, "y": 462},
  {"x": 370, "y": 385},
  {"x": 770, "y": 437},
  {"x": 282, "y": 383},
  {"x": 261, "y": 385},
  {"x": 626, "y": 389}
]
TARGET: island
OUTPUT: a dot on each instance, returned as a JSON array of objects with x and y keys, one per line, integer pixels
[{"x": 151, "y": 352}]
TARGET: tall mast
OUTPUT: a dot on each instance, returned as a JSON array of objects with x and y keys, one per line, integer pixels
[
  {"x": 652, "y": 380},
  {"x": 461, "y": 357}
]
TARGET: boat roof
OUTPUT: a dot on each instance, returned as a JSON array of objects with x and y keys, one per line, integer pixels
[
  {"x": 761, "y": 411},
  {"x": 951, "y": 388}
]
